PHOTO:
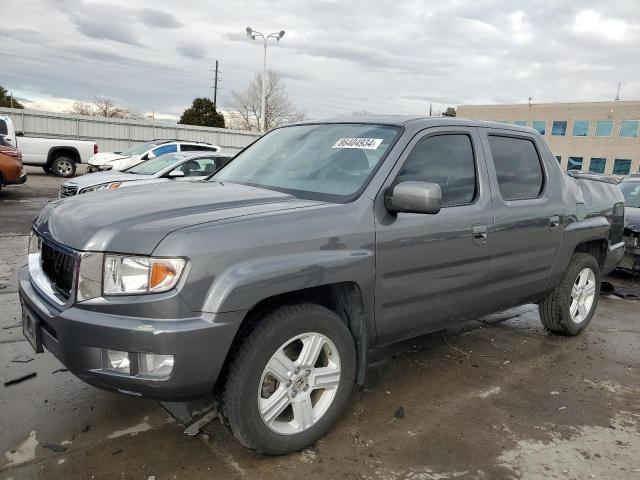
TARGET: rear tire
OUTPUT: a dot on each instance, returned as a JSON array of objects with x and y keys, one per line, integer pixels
[
  {"x": 64, "y": 167},
  {"x": 568, "y": 310},
  {"x": 308, "y": 392}
]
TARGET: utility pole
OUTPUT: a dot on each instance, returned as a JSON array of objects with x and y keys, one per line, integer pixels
[
  {"x": 215, "y": 87},
  {"x": 430, "y": 108},
  {"x": 618, "y": 94}
]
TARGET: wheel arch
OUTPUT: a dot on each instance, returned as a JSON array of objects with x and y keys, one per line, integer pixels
[
  {"x": 55, "y": 152},
  {"x": 343, "y": 298}
]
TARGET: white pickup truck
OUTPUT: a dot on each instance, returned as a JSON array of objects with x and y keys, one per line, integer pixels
[{"x": 55, "y": 155}]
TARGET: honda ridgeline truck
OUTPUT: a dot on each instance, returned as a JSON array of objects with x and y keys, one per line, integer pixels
[{"x": 274, "y": 282}]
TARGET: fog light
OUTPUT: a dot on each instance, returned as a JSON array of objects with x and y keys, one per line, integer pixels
[
  {"x": 118, "y": 361},
  {"x": 154, "y": 365}
]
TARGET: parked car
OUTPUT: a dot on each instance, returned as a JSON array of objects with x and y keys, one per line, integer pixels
[
  {"x": 134, "y": 155},
  {"x": 630, "y": 187},
  {"x": 11, "y": 171},
  {"x": 55, "y": 155},
  {"x": 167, "y": 167},
  {"x": 273, "y": 283}
]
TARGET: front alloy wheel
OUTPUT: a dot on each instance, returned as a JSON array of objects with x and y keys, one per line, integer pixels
[
  {"x": 299, "y": 383},
  {"x": 290, "y": 378}
]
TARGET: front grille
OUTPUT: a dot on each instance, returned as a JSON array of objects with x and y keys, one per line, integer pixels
[
  {"x": 58, "y": 266},
  {"x": 68, "y": 190}
]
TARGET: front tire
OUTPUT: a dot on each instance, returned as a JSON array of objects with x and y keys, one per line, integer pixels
[
  {"x": 568, "y": 310},
  {"x": 64, "y": 167},
  {"x": 290, "y": 379}
]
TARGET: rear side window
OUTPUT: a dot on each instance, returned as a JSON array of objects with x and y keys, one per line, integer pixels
[
  {"x": 197, "y": 148},
  {"x": 447, "y": 160},
  {"x": 518, "y": 167}
]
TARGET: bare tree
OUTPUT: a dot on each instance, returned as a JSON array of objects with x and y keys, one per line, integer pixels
[
  {"x": 104, "y": 107},
  {"x": 279, "y": 110}
]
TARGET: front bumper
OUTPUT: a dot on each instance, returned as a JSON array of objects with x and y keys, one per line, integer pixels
[
  {"x": 77, "y": 335},
  {"x": 18, "y": 181},
  {"x": 631, "y": 259}
]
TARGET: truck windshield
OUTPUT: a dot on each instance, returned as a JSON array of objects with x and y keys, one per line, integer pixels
[
  {"x": 331, "y": 162},
  {"x": 151, "y": 167},
  {"x": 631, "y": 192},
  {"x": 138, "y": 149}
]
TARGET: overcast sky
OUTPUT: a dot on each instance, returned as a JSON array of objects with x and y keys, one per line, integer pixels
[{"x": 337, "y": 57}]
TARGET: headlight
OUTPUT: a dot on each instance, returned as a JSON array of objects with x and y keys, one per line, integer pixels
[
  {"x": 138, "y": 275},
  {"x": 34, "y": 243},
  {"x": 103, "y": 186}
]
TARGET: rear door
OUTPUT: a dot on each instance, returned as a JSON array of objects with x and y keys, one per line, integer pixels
[
  {"x": 527, "y": 225},
  {"x": 431, "y": 270}
]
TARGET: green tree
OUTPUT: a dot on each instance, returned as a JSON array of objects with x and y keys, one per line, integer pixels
[
  {"x": 5, "y": 99},
  {"x": 202, "y": 113}
]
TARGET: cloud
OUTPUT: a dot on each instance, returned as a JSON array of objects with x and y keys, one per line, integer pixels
[
  {"x": 157, "y": 18},
  {"x": 192, "y": 50}
]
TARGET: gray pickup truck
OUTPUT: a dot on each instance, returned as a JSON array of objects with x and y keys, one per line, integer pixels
[{"x": 273, "y": 283}]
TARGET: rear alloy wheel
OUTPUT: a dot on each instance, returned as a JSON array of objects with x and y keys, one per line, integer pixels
[
  {"x": 64, "y": 167},
  {"x": 571, "y": 306},
  {"x": 290, "y": 379}
]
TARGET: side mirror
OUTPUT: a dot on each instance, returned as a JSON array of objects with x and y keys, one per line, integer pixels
[
  {"x": 176, "y": 174},
  {"x": 414, "y": 197}
]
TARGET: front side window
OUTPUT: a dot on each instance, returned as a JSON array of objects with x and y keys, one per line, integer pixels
[
  {"x": 597, "y": 165},
  {"x": 574, "y": 163},
  {"x": 447, "y": 160},
  {"x": 3, "y": 128},
  {"x": 559, "y": 128},
  {"x": 604, "y": 128},
  {"x": 621, "y": 166},
  {"x": 330, "y": 162},
  {"x": 631, "y": 192},
  {"x": 199, "y": 167},
  {"x": 540, "y": 126},
  {"x": 629, "y": 128},
  {"x": 161, "y": 150},
  {"x": 580, "y": 128},
  {"x": 518, "y": 167}
]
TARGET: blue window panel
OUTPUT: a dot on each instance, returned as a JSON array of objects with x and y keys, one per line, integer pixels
[
  {"x": 173, "y": 148},
  {"x": 522, "y": 123},
  {"x": 621, "y": 166},
  {"x": 540, "y": 126},
  {"x": 597, "y": 165},
  {"x": 503, "y": 121},
  {"x": 629, "y": 128},
  {"x": 559, "y": 158},
  {"x": 575, "y": 163},
  {"x": 580, "y": 128},
  {"x": 604, "y": 128},
  {"x": 559, "y": 128}
]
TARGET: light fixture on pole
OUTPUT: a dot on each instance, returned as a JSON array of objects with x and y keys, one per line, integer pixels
[{"x": 253, "y": 34}]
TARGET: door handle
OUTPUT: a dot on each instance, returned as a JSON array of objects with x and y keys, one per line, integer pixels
[
  {"x": 480, "y": 234},
  {"x": 554, "y": 222}
]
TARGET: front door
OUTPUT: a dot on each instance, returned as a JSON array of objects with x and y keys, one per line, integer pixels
[{"x": 432, "y": 270}]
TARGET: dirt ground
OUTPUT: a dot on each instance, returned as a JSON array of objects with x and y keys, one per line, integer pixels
[{"x": 494, "y": 398}]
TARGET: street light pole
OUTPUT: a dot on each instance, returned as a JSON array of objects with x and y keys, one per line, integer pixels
[{"x": 253, "y": 34}]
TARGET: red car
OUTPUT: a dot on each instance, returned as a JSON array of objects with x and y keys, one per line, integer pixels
[{"x": 11, "y": 170}]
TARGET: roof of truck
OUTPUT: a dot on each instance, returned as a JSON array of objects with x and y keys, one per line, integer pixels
[{"x": 419, "y": 120}]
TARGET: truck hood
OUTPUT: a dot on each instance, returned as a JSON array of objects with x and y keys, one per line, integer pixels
[{"x": 135, "y": 220}]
